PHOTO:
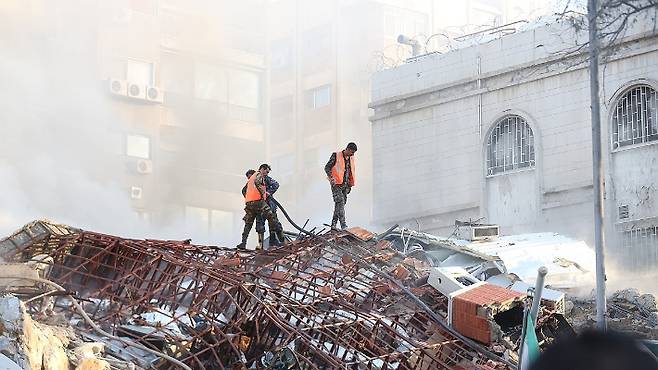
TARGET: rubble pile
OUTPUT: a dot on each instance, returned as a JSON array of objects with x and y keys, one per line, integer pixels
[
  {"x": 341, "y": 299},
  {"x": 627, "y": 311},
  {"x": 29, "y": 344}
]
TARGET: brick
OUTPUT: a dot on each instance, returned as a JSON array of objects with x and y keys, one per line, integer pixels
[
  {"x": 383, "y": 244},
  {"x": 401, "y": 272},
  {"x": 280, "y": 275},
  {"x": 327, "y": 289}
]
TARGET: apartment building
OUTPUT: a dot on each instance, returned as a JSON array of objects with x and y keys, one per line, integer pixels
[{"x": 176, "y": 91}]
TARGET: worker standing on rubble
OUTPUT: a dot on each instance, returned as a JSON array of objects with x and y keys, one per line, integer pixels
[
  {"x": 340, "y": 172},
  {"x": 256, "y": 205},
  {"x": 271, "y": 186}
]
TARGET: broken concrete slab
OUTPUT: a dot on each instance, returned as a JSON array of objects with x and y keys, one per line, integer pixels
[
  {"x": 87, "y": 357},
  {"x": 16, "y": 277}
]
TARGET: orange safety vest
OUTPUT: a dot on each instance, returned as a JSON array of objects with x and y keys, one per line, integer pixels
[
  {"x": 338, "y": 171},
  {"x": 252, "y": 192}
]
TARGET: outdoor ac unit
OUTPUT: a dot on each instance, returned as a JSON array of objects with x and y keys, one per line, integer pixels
[
  {"x": 136, "y": 192},
  {"x": 144, "y": 166},
  {"x": 136, "y": 91},
  {"x": 154, "y": 94},
  {"x": 475, "y": 232},
  {"x": 118, "y": 87}
]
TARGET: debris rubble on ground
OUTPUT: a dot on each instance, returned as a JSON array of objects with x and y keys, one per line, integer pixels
[
  {"x": 628, "y": 311},
  {"x": 341, "y": 299}
]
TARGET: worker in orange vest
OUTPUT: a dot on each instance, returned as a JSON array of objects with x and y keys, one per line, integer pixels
[
  {"x": 340, "y": 172},
  {"x": 256, "y": 205}
]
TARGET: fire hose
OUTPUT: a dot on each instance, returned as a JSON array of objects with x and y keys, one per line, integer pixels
[{"x": 436, "y": 318}]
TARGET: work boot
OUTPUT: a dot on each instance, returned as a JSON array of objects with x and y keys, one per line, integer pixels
[
  {"x": 281, "y": 238},
  {"x": 273, "y": 238},
  {"x": 261, "y": 237},
  {"x": 243, "y": 244},
  {"x": 343, "y": 226}
]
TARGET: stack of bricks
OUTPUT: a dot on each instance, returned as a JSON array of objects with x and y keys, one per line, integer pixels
[{"x": 469, "y": 309}]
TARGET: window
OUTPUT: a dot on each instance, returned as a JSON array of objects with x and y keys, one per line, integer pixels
[
  {"x": 144, "y": 6},
  {"x": 635, "y": 119},
  {"x": 282, "y": 119},
  {"x": 208, "y": 220},
  {"x": 139, "y": 72},
  {"x": 316, "y": 42},
  {"x": 143, "y": 215},
  {"x": 138, "y": 146},
  {"x": 317, "y": 49},
  {"x": 510, "y": 146},
  {"x": 319, "y": 97},
  {"x": 244, "y": 89},
  {"x": 210, "y": 82},
  {"x": 221, "y": 221},
  {"x": 284, "y": 165},
  {"x": 281, "y": 54}
]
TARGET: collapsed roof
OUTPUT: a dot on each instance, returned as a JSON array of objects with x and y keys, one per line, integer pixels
[{"x": 343, "y": 299}]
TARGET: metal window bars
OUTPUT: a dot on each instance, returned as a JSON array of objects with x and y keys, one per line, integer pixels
[
  {"x": 644, "y": 244},
  {"x": 510, "y": 146},
  {"x": 635, "y": 119}
]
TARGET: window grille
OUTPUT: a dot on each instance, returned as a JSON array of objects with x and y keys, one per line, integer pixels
[
  {"x": 510, "y": 146},
  {"x": 635, "y": 119},
  {"x": 641, "y": 237}
]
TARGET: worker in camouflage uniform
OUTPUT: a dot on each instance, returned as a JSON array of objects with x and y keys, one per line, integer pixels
[
  {"x": 256, "y": 205},
  {"x": 271, "y": 186},
  {"x": 340, "y": 172}
]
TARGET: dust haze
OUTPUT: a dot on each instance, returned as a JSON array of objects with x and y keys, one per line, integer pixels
[{"x": 64, "y": 148}]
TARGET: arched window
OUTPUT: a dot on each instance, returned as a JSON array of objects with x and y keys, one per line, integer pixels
[
  {"x": 635, "y": 120},
  {"x": 510, "y": 145}
]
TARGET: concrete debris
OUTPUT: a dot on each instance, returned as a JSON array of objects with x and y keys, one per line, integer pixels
[
  {"x": 29, "y": 344},
  {"x": 506, "y": 257},
  {"x": 628, "y": 311},
  {"x": 87, "y": 356},
  {"x": 341, "y": 299}
]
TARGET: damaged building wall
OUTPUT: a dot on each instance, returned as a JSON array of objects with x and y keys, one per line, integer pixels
[{"x": 434, "y": 118}]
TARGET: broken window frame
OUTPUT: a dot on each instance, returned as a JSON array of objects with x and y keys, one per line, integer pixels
[
  {"x": 635, "y": 117},
  {"x": 513, "y": 136}
]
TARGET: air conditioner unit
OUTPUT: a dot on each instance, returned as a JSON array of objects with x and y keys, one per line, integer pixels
[
  {"x": 135, "y": 192},
  {"x": 154, "y": 94},
  {"x": 136, "y": 91},
  {"x": 144, "y": 166},
  {"x": 117, "y": 87},
  {"x": 474, "y": 232}
]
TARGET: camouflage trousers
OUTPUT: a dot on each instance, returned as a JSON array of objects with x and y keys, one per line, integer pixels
[
  {"x": 260, "y": 220},
  {"x": 339, "y": 193},
  {"x": 261, "y": 209}
]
